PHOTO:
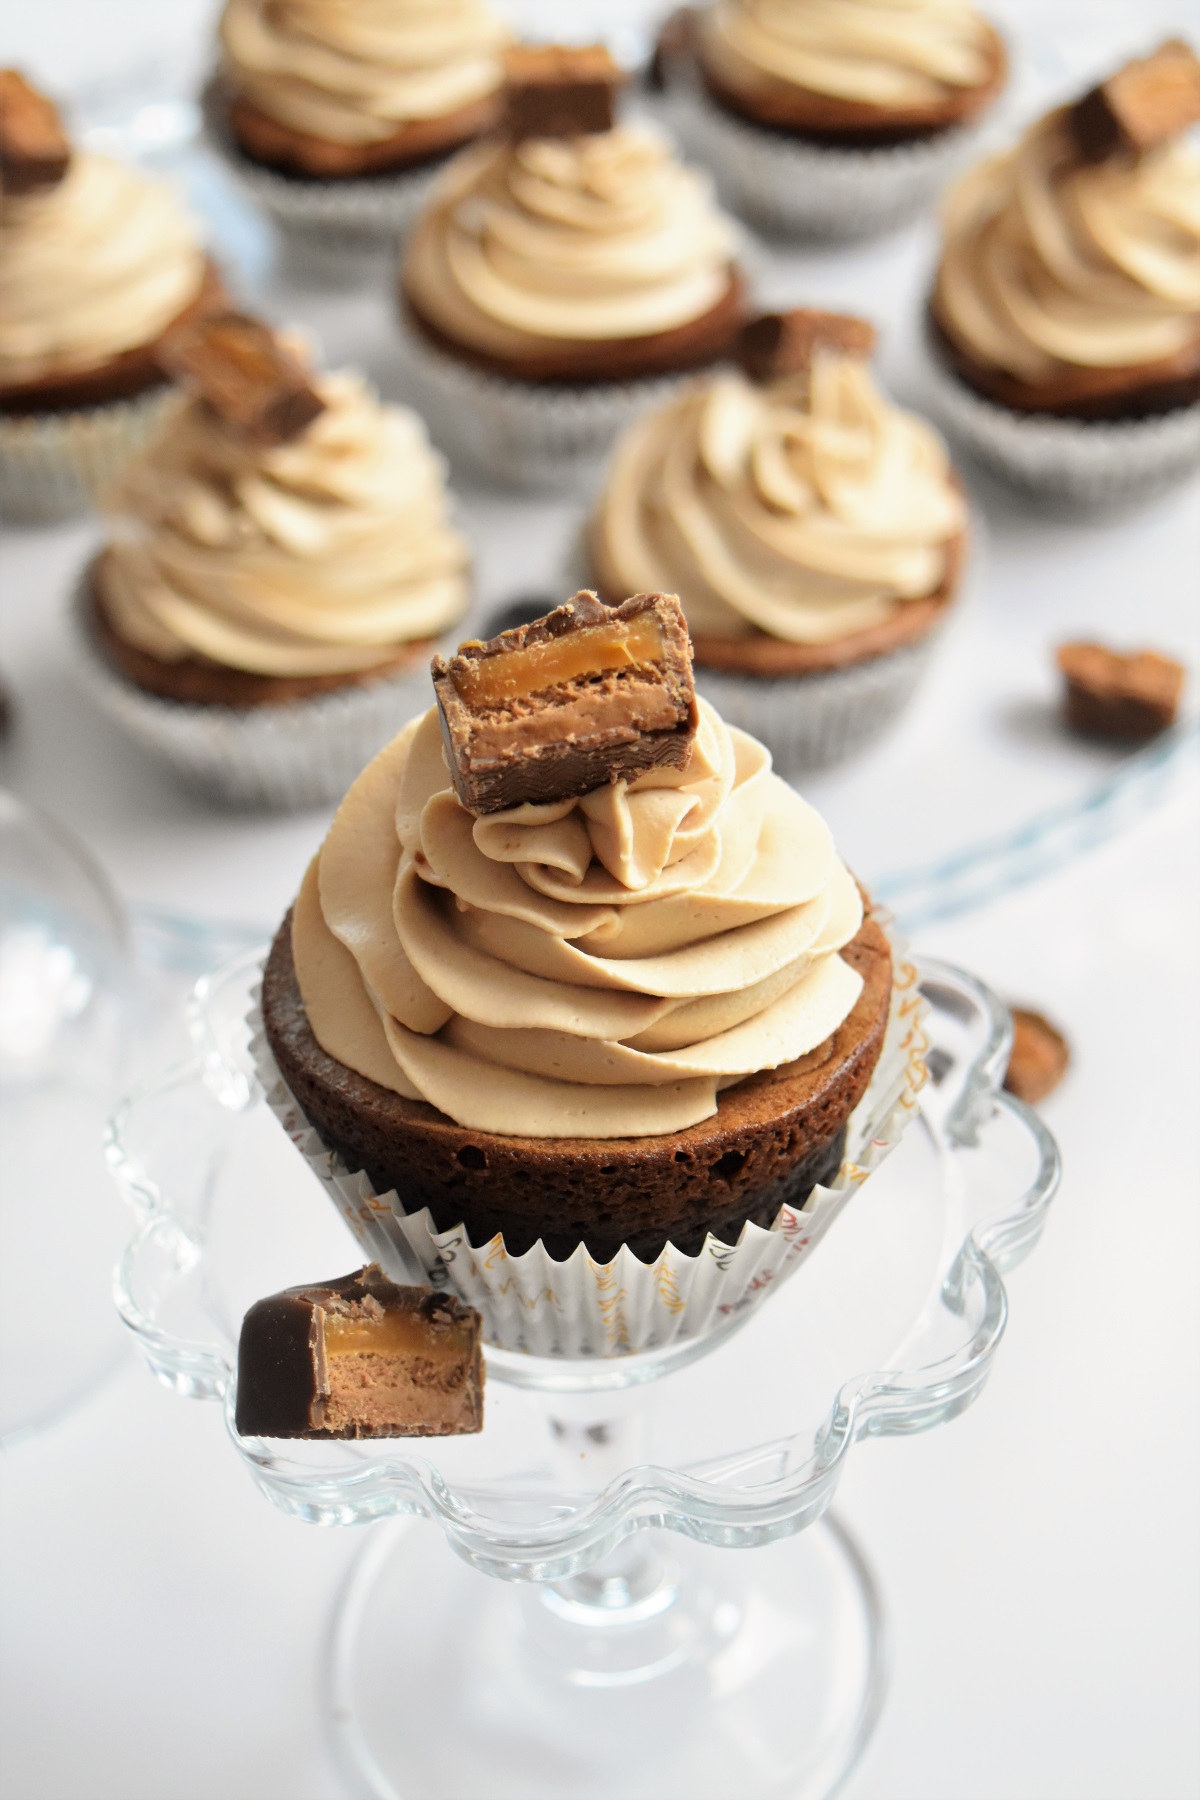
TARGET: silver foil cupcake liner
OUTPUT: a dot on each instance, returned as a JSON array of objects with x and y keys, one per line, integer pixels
[
  {"x": 54, "y": 465},
  {"x": 581, "y": 1308}
]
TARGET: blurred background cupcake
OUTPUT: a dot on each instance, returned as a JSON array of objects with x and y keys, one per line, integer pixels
[
  {"x": 814, "y": 532},
  {"x": 336, "y": 118},
  {"x": 559, "y": 272},
  {"x": 1065, "y": 314},
  {"x": 834, "y": 117},
  {"x": 97, "y": 262},
  {"x": 280, "y": 568}
]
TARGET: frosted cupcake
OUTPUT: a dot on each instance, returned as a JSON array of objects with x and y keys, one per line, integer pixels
[
  {"x": 838, "y": 117},
  {"x": 97, "y": 263},
  {"x": 280, "y": 568},
  {"x": 337, "y": 117},
  {"x": 1066, "y": 308},
  {"x": 814, "y": 532},
  {"x": 559, "y": 272}
]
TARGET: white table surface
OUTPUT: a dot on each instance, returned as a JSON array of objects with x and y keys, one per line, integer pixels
[{"x": 160, "y": 1622}]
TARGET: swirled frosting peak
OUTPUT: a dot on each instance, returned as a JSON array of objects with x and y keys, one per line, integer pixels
[
  {"x": 599, "y": 967},
  {"x": 357, "y": 73},
  {"x": 586, "y": 238},
  {"x": 1052, "y": 264},
  {"x": 317, "y": 557},
  {"x": 97, "y": 265},
  {"x": 808, "y": 509}
]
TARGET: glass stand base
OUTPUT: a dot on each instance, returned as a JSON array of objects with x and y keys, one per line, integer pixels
[{"x": 674, "y": 1672}]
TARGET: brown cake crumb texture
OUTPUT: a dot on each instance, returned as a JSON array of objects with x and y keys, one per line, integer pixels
[
  {"x": 1040, "y": 1057},
  {"x": 1129, "y": 698}
]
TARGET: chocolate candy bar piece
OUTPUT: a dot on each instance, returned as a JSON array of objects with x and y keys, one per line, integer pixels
[
  {"x": 1148, "y": 102},
  {"x": 671, "y": 48},
  {"x": 587, "y": 695},
  {"x": 1040, "y": 1057},
  {"x": 1129, "y": 699},
  {"x": 35, "y": 151},
  {"x": 360, "y": 1357},
  {"x": 779, "y": 344},
  {"x": 245, "y": 374},
  {"x": 556, "y": 90}
]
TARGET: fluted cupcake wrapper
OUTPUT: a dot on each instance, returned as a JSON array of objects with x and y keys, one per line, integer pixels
[
  {"x": 54, "y": 465},
  {"x": 581, "y": 1308}
]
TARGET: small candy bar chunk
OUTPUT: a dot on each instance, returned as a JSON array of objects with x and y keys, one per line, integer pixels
[
  {"x": 671, "y": 46},
  {"x": 556, "y": 90},
  {"x": 588, "y": 695},
  {"x": 1126, "y": 698},
  {"x": 779, "y": 344},
  {"x": 1040, "y": 1057},
  {"x": 35, "y": 151},
  {"x": 237, "y": 364},
  {"x": 360, "y": 1357},
  {"x": 1147, "y": 103}
]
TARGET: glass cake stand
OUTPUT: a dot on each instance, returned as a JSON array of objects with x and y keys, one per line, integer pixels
[{"x": 620, "y": 1652}]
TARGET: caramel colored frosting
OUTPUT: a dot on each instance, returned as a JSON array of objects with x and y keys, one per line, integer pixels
[
  {"x": 808, "y": 509},
  {"x": 316, "y": 557},
  {"x": 885, "y": 53},
  {"x": 357, "y": 74},
  {"x": 599, "y": 967},
  {"x": 1051, "y": 263},
  {"x": 579, "y": 239},
  {"x": 91, "y": 268}
]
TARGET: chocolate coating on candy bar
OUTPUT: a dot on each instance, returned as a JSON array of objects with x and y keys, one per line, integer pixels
[
  {"x": 35, "y": 151},
  {"x": 1040, "y": 1057},
  {"x": 555, "y": 90},
  {"x": 360, "y": 1357},
  {"x": 1147, "y": 103},
  {"x": 779, "y": 344},
  {"x": 237, "y": 365},
  {"x": 1126, "y": 698},
  {"x": 588, "y": 695}
]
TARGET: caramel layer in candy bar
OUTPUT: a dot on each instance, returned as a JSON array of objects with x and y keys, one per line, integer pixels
[
  {"x": 360, "y": 1357},
  {"x": 587, "y": 695},
  {"x": 779, "y": 344},
  {"x": 1128, "y": 698},
  {"x": 35, "y": 151},
  {"x": 1148, "y": 102},
  {"x": 555, "y": 90},
  {"x": 1040, "y": 1057},
  {"x": 237, "y": 365}
]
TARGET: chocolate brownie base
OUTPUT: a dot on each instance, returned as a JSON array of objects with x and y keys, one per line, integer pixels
[
  {"x": 119, "y": 377},
  {"x": 696, "y": 345},
  {"x": 773, "y": 1138},
  {"x": 195, "y": 681}
]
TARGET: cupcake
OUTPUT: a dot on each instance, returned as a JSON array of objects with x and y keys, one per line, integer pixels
[
  {"x": 97, "y": 263},
  {"x": 336, "y": 117},
  {"x": 559, "y": 274},
  {"x": 814, "y": 532},
  {"x": 585, "y": 1046},
  {"x": 1066, "y": 310},
  {"x": 280, "y": 567},
  {"x": 838, "y": 117}
]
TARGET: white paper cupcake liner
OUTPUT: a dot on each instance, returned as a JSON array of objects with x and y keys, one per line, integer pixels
[
  {"x": 581, "y": 1308},
  {"x": 54, "y": 465},
  {"x": 1083, "y": 463}
]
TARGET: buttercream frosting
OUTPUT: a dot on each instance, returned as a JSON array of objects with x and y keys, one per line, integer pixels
[
  {"x": 807, "y": 509},
  {"x": 568, "y": 239},
  {"x": 885, "y": 53},
  {"x": 599, "y": 967},
  {"x": 97, "y": 265},
  {"x": 357, "y": 74},
  {"x": 1051, "y": 263},
  {"x": 316, "y": 557}
]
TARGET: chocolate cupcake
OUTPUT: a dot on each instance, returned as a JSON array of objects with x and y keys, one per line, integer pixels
[
  {"x": 280, "y": 567},
  {"x": 838, "y": 117},
  {"x": 97, "y": 263},
  {"x": 626, "y": 1025},
  {"x": 336, "y": 118},
  {"x": 1065, "y": 314},
  {"x": 815, "y": 533},
  {"x": 559, "y": 272}
]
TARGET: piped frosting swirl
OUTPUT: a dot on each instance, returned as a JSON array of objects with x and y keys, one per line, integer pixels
[{"x": 599, "y": 967}]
